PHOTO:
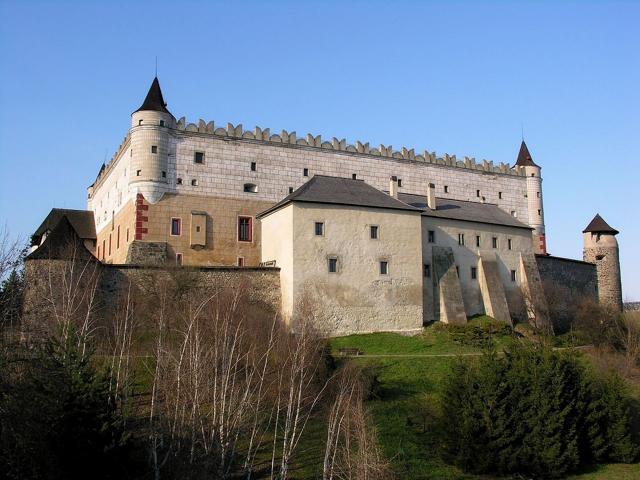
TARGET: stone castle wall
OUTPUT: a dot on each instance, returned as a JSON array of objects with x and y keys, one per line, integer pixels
[{"x": 566, "y": 283}]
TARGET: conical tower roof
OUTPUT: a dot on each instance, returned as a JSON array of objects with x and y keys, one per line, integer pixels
[
  {"x": 598, "y": 225},
  {"x": 154, "y": 100},
  {"x": 524, "y": 157}
]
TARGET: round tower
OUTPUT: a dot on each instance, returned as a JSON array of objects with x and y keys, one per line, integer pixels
[
  {"x": 601, "y": 248},
  {"x": 534, "y": 198},
  {"x": 150, "y": 145}
]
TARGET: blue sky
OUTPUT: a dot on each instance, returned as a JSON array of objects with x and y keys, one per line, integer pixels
[{"x": 456, "y": 77}]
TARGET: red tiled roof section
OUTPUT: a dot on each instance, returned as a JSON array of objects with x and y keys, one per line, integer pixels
[{"x": 524, "y": 157}]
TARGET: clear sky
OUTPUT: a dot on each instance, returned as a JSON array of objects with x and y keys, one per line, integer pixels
[{"x": 455, "y": 77}]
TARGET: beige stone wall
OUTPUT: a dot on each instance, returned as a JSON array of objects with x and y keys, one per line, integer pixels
[
  {"x": 467, "y": 256},
  {"x": 222, "y": 246},
  {"x": 357, "y": 298},
  {"x": 119, "y": 233},
  {"x": 277, "y": 245},
  {"x": 602, "y": 249}
]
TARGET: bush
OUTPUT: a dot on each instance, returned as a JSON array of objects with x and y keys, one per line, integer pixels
[
  {"x": 533, "y": 411},
  {"x": 479, "y": 332}
]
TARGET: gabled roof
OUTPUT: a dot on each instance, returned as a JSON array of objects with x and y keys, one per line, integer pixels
[
  {"x": 463, "y": 210},
  {"x": 81, "y": 221},
  {"x": 62, "y": 242},
  {"x": 340, "y": 191},
  {"x": 154, "y": 100},
  {"x": 524, "y": 157},
  {"x": 598, "y": 225}
]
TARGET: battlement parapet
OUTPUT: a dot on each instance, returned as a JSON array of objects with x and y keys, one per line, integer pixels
[
  {"x": 363, "y": 148},
  {"x": 106, "y": 167}
]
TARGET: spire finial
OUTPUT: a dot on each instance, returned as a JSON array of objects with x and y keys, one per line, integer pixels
[
  {"x": 156, "y": 66},
  {"x": 522, "y": 130}
]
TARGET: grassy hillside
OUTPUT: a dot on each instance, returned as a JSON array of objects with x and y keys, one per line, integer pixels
[{"x": 410, "y": 372}]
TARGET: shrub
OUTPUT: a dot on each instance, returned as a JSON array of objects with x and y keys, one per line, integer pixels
[
  {"x": 479, "y": 332},
  {"x": 533, "y": 411}
]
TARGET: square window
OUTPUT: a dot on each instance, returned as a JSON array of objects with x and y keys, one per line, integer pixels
[
  {"x": 477, "y": 240},
  {"x": 198, "y": 157},
  {"x": 178, "y": 259},
  {"x": 333, "y": 265},
  {"x": 179, "y": 181},
  {"x": 513, "y": 213},
  {"x": 474, "y": 273},
  {"x": 319, "y": 229},
  {"x": 494, "y": 242},
  {"x": 305, "y": 172},
  {"x": 194, "y": 182},
  {"x": 431, "y": 236},
  {"x": 244, "y": 229},
  {"x": 426, "y": 270},
  {"x": 176, "y": 227},
  {"x": 461, "y": 239},
  {"x": 446, "y": 189},
  {"x": 384, "y": 268},
  {"x": 139, "y": 122},
  {"x": 509, "y": 243},
  {"x": 290, "y": 189},
  {"x": 138, "y": 173},
  {"x": 253, "y": 166},
  {"x": 154, "y": 149},
  {"x": 373, "y": 232},
  {"x": 513, "y": 275}
]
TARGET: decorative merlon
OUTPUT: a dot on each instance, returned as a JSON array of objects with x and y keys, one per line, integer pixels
[{"x": 291, "y": 138}]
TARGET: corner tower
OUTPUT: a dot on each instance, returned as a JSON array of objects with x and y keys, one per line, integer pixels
[
  {"x": 534, "y": 198},
  {"x": 151, "y": 145},
  {"x": 601, "y": 248}
]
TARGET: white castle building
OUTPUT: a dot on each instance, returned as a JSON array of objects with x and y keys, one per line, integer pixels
[{"x": 386, "y": 239}]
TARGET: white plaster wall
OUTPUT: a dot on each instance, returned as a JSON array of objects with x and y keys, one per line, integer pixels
[
  {"x": 358, "y": 298},
  {"x": 466, "y": 256}
]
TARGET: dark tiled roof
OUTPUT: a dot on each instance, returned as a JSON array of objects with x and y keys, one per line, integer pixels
[
  {"x": 598, "y": 225},
  {"x": 465, "y": 211},
  {"x": 341, "y": 191},
  {"x": 154, "y": 100},
  {"x": 62, "y": 242},
  {"x": 80, "y": 220},
  {"x": 524, "y": 157}
]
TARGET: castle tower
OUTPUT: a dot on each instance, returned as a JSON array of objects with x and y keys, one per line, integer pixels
[
  {"x": 534, "y": 198},
  {"x": 601, "y": 248},
  {"x": 150, "y": 145}
]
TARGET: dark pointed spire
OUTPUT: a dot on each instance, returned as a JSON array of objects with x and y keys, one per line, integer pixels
[
  {"x": 598, "y": 225},
  {"x": 524, "y": 157},
  {"x": 154, "y": 100}
]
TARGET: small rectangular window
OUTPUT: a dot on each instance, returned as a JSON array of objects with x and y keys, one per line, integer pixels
[
  {"x": 164, "y": 174},
  {"x": 194, "y": 182},
  {"x": 384, "y": 268},
  {"x": 426, "y": 270},
  {"x": 290, "y": 189},
  {"x": 513, "y": 275},
  {"x": 477, "y": 193},
  {"x": 127, "y": 235},
  {"x": 162, "y": 123},
  {"x": 139, "y": 122},
  {"x": 179, "y": 181},
  {"x": 494, "y": 242},
  {"x": 513, "y": 213},
  {"x": 446, "y": 189},
  {"x": 509, "y": 243},
  {"x": 461, "y": 239},
  {"x": 109, "y": 244},
  {"x": 333, "y": 265},
  {"x": 178, "y": 259},
  {"x": 305, "y": 172},
  {"x": 399, "y": 182},
  {"x": 373, "y": 231},
  {"x": 253, "y": 166},
  {"x": 198, "y": 157},
  {"x": 538, "y": 194},
  {"x": 477, "y": 240},
  {"x": 431, "y": 236},
  {"x": 244, "y": 229},
  {"x": 500, "y": 195},
  {"x": 138, "y": 173},
  {"x": 241, "y": 261},
  {"x": 176, "y": 227},
  {"x": 458, "y": 271},
  {"x": 154, "y": 149},
  {"x": 474, "y": 273},
  {"x": 118, "y": 238},
  {"x": 539, "y": 212},
  {"x": 319, "y": 229}
]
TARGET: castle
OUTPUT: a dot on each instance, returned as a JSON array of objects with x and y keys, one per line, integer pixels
[{"x": 384, "y": 239}]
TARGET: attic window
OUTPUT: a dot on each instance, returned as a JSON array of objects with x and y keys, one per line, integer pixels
[
  {"x": 154, "y": 149},
  {"x": 250, "y": 188}
]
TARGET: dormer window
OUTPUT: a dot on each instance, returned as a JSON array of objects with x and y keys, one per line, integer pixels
[{"x": 250, "y": 188}]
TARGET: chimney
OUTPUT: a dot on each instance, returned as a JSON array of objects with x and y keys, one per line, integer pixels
[
  {"x": 393, "y": 186},
  {"x": 431, "y": 196}
]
